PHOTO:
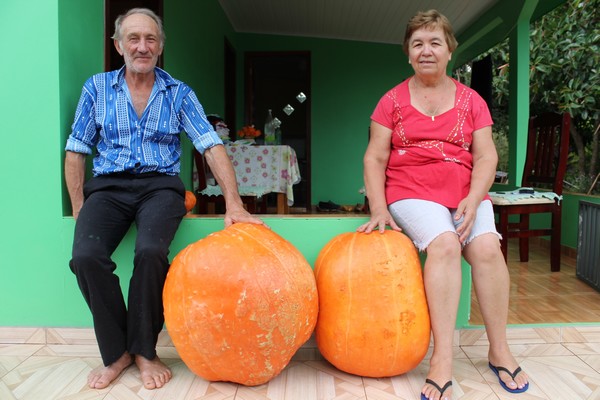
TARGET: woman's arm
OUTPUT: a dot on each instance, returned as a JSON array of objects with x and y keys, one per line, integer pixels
[
  {"x": 485, "y": 161},
  {"x": 375, "y": 163}
]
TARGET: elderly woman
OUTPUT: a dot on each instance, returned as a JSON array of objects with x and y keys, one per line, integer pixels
[{"x": 428, "y": 167}]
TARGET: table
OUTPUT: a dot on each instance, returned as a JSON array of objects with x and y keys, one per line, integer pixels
[
  {"x": 274, "y": 169},
  {"x": 266, "y": 169}
]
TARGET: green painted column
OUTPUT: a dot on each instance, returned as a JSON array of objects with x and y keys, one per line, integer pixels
[{"x": 519, "y": 92}]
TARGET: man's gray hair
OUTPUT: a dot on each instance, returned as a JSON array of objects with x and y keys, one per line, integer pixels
[{"x": 145, "y": 11}]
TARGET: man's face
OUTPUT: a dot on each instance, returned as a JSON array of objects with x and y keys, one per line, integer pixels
[{"x": 140, "y": 43}]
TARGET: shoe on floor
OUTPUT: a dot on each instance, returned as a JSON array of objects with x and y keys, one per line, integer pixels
[{"x": 328, "y": 206}]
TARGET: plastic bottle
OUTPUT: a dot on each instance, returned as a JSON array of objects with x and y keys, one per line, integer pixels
[{"x": 269, "y": 130}]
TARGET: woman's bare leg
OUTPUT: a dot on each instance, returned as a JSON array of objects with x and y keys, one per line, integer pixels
[
  {"x": 442, "y": 277},
  {"x": 492, "y": 285}
]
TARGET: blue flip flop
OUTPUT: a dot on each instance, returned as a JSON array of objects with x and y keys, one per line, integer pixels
[
  {"x": 512, "y": 375},
  {"x": 439, "y": 389}
]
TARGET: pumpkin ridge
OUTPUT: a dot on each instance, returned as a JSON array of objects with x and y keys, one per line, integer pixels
[
  {"x": 350, "y": 291},
  {"x": 329, "y": 247},
  {"x": 397, "y": 321},
  {"x": 405, "y": 322},
  {"x": 194, "y": 334},
  {"x": 285, "y": 258}
]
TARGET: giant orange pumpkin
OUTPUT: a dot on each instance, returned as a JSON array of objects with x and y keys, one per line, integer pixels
[
  {"x": 373, "y": 316},
  {"x": 239, "y": 303}
]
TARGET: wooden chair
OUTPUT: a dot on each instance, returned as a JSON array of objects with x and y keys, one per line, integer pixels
[
  {"x": 545, "y": 166},
  {"x": 212, "y": 203}
]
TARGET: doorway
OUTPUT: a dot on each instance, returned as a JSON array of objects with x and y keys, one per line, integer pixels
[
  {"x": 273, "y": 81},
  {"x": 230, "y": 84}
]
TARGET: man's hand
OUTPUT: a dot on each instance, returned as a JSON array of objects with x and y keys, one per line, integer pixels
[
  {"x": 240, "y": 214},
  {"x": 222, "y": 169}
]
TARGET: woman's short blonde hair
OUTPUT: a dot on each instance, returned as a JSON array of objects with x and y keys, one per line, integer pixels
[{"x": 431, "y": 19}]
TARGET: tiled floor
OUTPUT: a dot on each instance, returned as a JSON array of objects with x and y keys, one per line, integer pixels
[
  {"x": 51, "y": 364},
  {"x": 563, "y": 362},
  {"x": 540, "y": 296}
]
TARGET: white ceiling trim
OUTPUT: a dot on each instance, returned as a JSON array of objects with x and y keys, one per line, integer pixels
[{"x": 379, "y": 21}]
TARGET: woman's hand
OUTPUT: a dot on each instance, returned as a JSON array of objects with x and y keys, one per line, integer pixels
[
  {"x": 485, "y": 160},
  {"x": 378, "y": 221},
  {"x": 467, "y": 211}
]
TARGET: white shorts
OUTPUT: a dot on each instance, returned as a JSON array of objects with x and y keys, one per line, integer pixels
[{"x": 424, "y": 220}]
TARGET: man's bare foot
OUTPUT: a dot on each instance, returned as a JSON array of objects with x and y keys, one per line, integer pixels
[
  {"x": 102, "y": 376},
  {"x": 153, "y": 373}
]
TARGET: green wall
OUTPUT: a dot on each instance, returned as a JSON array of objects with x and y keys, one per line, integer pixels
[
  {"x": 81, "y": 40},
  {"x": 55, "y": 45},
  {"x": 193, "y": 53},
  {"x": 33, "y": 235},
  {"x": 194, "y": 48}
]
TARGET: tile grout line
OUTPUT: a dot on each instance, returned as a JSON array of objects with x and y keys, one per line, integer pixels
[{"x": 21, "y": 335}]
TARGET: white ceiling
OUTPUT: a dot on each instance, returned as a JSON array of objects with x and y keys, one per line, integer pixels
[{"x": 381, "y": 21}]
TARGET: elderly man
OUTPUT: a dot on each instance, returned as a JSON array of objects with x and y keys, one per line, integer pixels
[{"x": 133, "y": 117}]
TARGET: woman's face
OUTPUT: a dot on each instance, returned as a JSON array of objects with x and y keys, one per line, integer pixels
[{"x": 428, "y": 52}]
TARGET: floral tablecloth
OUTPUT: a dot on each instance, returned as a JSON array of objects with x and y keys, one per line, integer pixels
[{"x": 264, "y": 169}]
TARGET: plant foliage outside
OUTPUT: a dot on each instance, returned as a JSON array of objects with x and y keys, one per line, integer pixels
[{"x": 564, "y": 77}]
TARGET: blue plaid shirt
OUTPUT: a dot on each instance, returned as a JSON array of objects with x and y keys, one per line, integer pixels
[{"x": 106, "y": 119}]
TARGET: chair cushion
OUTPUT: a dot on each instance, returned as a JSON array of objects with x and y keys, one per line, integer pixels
[{"x": 519, "y": 197}]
